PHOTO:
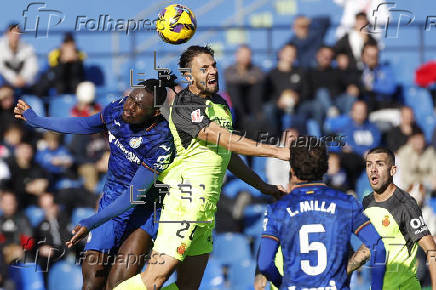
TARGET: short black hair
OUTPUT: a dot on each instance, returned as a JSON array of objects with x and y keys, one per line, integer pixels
[
  {"x": 160, "y": 85},
  {"x": 13, "y": 25},
  {"x": 379, "y": 149},
  {"x": 308, "y": 162},
  {"x": 191, "y": 52}
]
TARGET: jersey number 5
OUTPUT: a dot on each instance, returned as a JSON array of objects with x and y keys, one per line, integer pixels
[{"x": 306, "y": 247}]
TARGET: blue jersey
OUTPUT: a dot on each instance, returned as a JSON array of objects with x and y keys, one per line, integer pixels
[
  {"x": 313, "y": 225},
  {"x": 152, "y": 147}
]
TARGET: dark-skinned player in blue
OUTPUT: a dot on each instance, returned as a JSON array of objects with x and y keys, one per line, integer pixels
[
  {"x": 313, "y": 226},
  {"x": 141, "y": 147}
]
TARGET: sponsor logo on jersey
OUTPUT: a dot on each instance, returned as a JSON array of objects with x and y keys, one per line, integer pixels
[
  {"x": 386, "y": 222},
  {"x": 129, "y": 155},
  {"x": 196, "y": 116},
  {"x": 135, "y": 142}
]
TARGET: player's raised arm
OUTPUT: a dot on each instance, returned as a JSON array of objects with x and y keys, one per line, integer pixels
[
  {"x": 72, "y": 125},
  {"x": 246, "y": 174},
  {"x": 215, "y": 134}
]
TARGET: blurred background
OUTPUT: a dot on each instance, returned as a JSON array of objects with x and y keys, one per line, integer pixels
[{"x": 287, "y": 68}]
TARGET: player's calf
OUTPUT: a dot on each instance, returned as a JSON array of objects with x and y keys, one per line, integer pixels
[{"x": 95, "y": 269}]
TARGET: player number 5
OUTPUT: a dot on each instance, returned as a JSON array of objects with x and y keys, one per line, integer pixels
[{"x": 306, "y": 247}]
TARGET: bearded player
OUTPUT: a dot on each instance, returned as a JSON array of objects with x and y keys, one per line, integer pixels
[
  {"x": 141, "y": 147},
  {"x": 201, "y": 124}
]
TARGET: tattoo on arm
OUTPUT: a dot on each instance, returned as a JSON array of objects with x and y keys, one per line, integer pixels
[{"x": 358, "y": 259}]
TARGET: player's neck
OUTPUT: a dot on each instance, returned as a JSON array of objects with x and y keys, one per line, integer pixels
[
  {"x": 385, "y": 194},
  {"x": 197, "y": 91}
]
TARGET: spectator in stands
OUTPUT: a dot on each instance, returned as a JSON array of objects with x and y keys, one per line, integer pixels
[
  {"x": 323, "y": 87},
  {"x": 28, "y": 180},
  {"x": 283, "y": 87},
  {"x": 378, "y": 79},
  {"x": 352, "y": 43},
  {"x": 11, "y": 138},
  {"x": 244, "y": 85},
  {"x": 336, "y": 176},
  {"x": 66, "y": 63},
  {"x": 7, "y": 102},
  {"x": 15, "y": 229},
  {"x": 308, "y": 37},
  {"x": 52, "y": 231},
  {"x": 86, "y": 105},
  {"x": 417, "y": 162},
  {"x": 87, "y": 148},
  {"x": 54, "y": 157},
  {"x": 350, "y": 83},
  {"x": 18, "y": 63},
  {"x": 361, "y": 135},
  {"x": 398, "y": 136},
  {"x": 353, "y": 7}
]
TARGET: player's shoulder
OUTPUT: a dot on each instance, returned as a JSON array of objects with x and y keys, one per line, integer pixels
[
  {"x": 186, "y": 98},
  {"x": 368, "y": 200},
  {"x": 219, "y": 100},
  {"x": 402, "y": 199}
]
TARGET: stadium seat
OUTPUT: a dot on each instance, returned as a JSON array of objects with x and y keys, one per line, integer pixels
[
  {"x": 336, "y": 124},
  {"x": 241, "y": 273},
  {"x": 385, "y": 119},
  {"x": 253, "y": 220},
  {"x": 213, "y": 277},
  {"x": 81, "y": 213},
  {"x": 105, "y": 97},
  {"x": 27, "y": 276},
  {"x": 65, "y": 276},
  {"x": 94, "y": 73},
  {"x": 230, "y": 247},
  {"x": 34, "y": 214},
  {"x": 61, "y": 105},
  {"x": 313, "y": 128},
  {"x": 259, "y": 166},
  {"x": 36, "y": 103}
]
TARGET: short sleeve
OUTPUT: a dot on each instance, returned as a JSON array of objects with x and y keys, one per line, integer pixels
[
  {"x": 190, "y": 118},
  {"x": 359, "y": 219},
  {"x": 159, "y": 158},
  {"x": 414, "y": 223},
  {"x": 270, "y": 228}
]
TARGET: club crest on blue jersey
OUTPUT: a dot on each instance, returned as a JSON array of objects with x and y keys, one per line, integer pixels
[{"x": 135, "y": 142}]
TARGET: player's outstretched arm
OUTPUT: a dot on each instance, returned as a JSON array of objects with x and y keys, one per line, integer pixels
[
  {"x": 140, "y": 184},
  {"x": 369, "y": 236},
  {"x": 215, "y": 134},
  {"x": 246, "y": 174},
  {"x": 428, "y": 245},
  {"x": 72, "y": 125}
]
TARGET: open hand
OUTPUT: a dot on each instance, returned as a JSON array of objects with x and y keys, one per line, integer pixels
[
  {"x": 20, "y": 108},
  {"x": 79, "y": 232}
]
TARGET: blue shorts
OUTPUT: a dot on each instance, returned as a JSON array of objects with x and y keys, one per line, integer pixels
[{"x": 109, "y": 236}]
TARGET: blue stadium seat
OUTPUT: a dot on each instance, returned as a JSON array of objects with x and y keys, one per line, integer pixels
[
  {"x": 313, "y": 128},
  {"x": 61, "y": 105},
  {"x": 94, "y": 73},
  {"x": 36, "y": 103},
  {"x": 234, "y": 186},
  {"x": 213, "y": 277},
  {"x": 27, "y": 276},
  {"x": 253, "y": 220},
  {"x": 259, "y": 166},
  {"x": 241, "y": 273},
  {"x": 81, "y": 213},
  {"x": 230, "y": 247},
  {"x": 34, "y": 214},
  {"x": 65, "y": 276},
  {"x": 105, "y": 97},
  {"x": 336, "y": 124}
]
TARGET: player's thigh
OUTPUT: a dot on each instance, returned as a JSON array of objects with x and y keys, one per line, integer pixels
[
  {"x": 190, "y": 272},
  {"x": 159, "y": 269},
  {"x": 130, "y": 258},
  {"x": 95, "y": 268}
]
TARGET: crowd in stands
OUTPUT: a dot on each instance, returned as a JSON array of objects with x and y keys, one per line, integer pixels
[{"x": 316, "y": 89}]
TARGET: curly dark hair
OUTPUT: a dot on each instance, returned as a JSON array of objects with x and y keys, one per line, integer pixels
[
  {"x": 159, "y": 86},
  {"x": 191, "y": 52},
  {"x": 309, "y": 162}
]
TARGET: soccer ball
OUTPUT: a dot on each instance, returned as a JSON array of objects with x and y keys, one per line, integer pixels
[{"x": 176, "y": 24}]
